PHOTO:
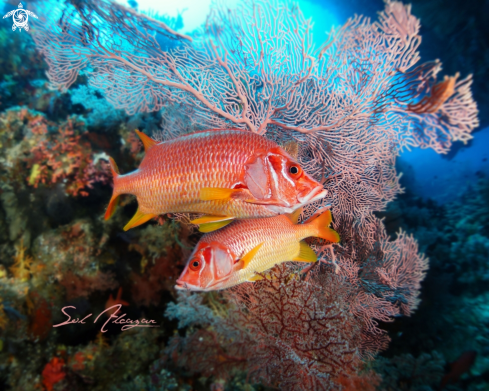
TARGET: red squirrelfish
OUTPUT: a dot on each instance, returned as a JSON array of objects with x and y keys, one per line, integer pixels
[
  {"x": 236, "y": 253},
  {"x": 226, "y": 174}
]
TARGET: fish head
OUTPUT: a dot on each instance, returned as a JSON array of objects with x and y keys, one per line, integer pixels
[
  {"x": 274, "y": 176},
  {"x": 209, "y": 266}
]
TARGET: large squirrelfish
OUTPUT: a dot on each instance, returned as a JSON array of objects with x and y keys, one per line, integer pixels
[
  {"x": 226, "y": 174},
  {"x": 236, "y": 253}
]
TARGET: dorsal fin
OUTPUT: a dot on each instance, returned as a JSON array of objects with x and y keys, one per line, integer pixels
[
  {"x": 148, "y": 142},
  {"x": 292, "y": 148},
  {"x": 294, "y": 216}
]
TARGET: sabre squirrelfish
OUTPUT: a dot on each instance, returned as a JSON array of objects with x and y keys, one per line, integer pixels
[
  {"x": 236, "y": 253},
  {"x": 226, "y": 174}
]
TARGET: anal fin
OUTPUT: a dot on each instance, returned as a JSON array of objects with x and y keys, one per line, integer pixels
[
  {"x": 138, "y": 219},
  {"x": 306, "y": 254}
]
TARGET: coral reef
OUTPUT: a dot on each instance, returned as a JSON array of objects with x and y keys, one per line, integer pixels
[{"x": 348, "y": 106}]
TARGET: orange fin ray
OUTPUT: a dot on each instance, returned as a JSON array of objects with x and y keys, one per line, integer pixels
[
  {"x": 321, "y": 222},
  {"x": 138, "y": 219},
  {"x": 114, "y": 201},
  {"x": 148, "y": 142}
]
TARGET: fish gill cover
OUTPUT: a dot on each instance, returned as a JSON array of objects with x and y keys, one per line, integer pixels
[{"x": 350, "y": 105}]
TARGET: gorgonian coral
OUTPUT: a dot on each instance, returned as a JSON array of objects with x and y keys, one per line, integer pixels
[{"x": 291, "y": 330}]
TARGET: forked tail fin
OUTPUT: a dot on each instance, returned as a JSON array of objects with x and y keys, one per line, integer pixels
[
  {"x": 321, "y": 222},
  {"x": 115, "y": 196}
]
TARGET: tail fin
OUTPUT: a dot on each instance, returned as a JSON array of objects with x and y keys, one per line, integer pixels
[
  {"x": 321, "y": 222},
  {"x": 115, "y": 198}
]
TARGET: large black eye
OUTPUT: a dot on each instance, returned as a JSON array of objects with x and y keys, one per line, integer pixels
[
  {"x": 294, "y": 170},
  {"x": 195, "y": 264}
]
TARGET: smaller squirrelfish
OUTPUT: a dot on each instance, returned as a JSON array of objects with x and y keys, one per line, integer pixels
[{"x": 236, "y": 253}]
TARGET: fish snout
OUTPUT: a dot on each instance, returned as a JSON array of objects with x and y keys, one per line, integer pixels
[
  {"x": 185, "y": 286},
  {"x": 306, "y": 196}
]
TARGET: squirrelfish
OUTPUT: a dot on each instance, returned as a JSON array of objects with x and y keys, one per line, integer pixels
[
  {"x": 226, "y": 174},
  {"x": 236, "y": 253}
]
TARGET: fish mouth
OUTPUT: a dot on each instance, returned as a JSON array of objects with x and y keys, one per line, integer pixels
[
  {"x": 185, "y": 286},
  {"x": 316, "y": 194}
]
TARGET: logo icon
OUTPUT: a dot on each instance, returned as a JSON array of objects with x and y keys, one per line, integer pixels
[{"x": 20, "y": 16}]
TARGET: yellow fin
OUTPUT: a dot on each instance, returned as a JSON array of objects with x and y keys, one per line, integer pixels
[
  {"x": 250, "y": 255},
  {"x": 306, "y": 254},
  {"x": 138, "y": 219},
  {"x": 294, "y": 216},
  {"x": 209, "y": 227},
  {"x": 211, "y": 219},
  {"x": 148, "y": 142},
  {"x": 254, "y": 278},
  {"x": 216, "y": 193}
]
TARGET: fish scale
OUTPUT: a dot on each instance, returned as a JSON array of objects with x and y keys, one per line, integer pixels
[
  {"x": 280, "y": 237},
  {"x": 172, "y": 173}
]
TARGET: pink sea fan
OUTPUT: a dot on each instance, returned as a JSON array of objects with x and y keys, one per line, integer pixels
[{"x": 289, "y": 331}]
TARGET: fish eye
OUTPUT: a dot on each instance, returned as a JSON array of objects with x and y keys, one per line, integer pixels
[
  {"x": 295, "y": 170},
  {"x": 195, "y": 264}
]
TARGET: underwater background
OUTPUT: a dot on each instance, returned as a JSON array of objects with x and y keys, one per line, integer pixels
[{"x": 399, "y": 140}]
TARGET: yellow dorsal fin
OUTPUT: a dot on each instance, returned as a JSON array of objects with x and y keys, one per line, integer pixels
[
  {"x": 306, "y": 254},
  {"x": 209, "y": 227},
  {"x": 294, "y": 216},
  {"x": 138, "y": 219},
  {"x": 148, "y": 142},
  {"x": 211, "y": 219},
  {"x": 246, "y": 259},
  {"x": 216, "y": 193}
]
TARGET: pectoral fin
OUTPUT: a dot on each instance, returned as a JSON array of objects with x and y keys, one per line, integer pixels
[
  {"x": 246, "y": 259},
  {"x": 138, "y": 219},
  {"x": 215, "y": 193},
  {"x": 209, "y": 227},
  {"x": 306, "y": 254}
]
